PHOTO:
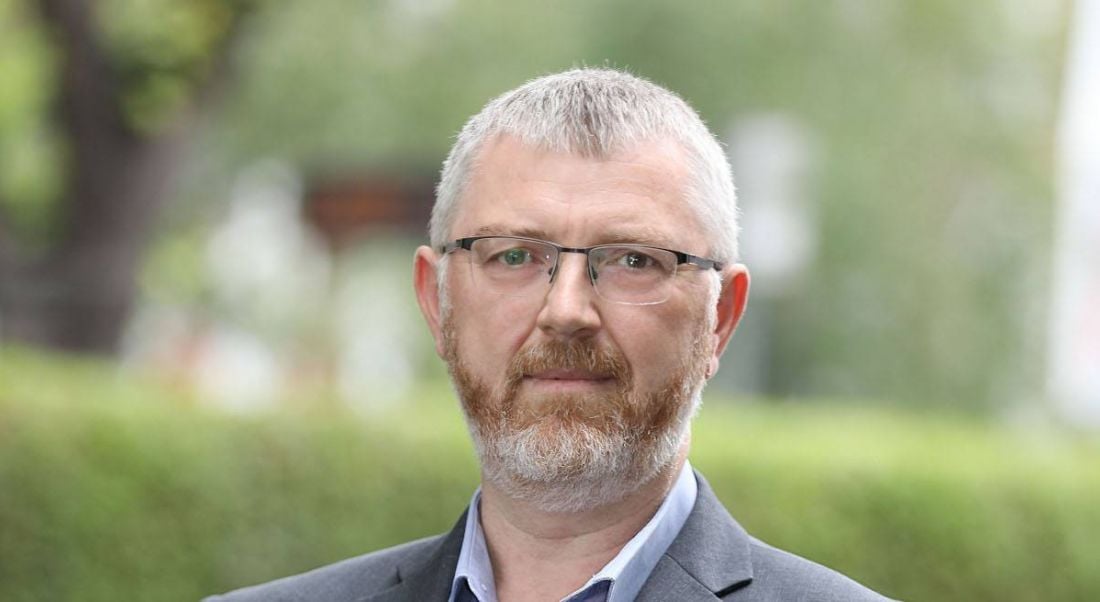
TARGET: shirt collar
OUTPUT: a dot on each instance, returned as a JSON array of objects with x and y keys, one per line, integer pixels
[
  {"x": 474, "y": 569},
  {"x": 626, "y": 572}
]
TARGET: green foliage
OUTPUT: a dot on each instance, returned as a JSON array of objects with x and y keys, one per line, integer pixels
[
  {"x": 925, "y": 507},
  {"x": 161, "y": 50},
  {"x": 31, "y": 155},
  {"x": 113, "y": 487}
]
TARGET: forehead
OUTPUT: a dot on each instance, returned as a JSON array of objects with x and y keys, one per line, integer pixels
[{"x": 638, "y": 195}]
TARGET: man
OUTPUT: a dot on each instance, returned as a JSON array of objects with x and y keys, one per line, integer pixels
[{"x": 581, "y": 285}]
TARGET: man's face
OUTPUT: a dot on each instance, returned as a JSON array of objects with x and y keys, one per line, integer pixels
[{"x": 567, "y": 388}]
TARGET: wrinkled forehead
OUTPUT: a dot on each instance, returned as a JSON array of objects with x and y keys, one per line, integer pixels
[{"x": 637, "y": 194}]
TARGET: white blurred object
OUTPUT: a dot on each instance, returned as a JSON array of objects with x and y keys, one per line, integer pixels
[
  {"x": 772, "y": 159},
  {"x": 265, "y": 264},
  {"x": 236, "y": 370},
  {"x": 1074, "y": 359},
  {"x": 375, "y": 322},
  {"x": 269, "y": 274}
]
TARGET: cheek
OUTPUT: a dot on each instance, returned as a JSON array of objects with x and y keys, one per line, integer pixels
[
  {"x": 649, "y": 341},
  {"x": 485, "y": 328},
  {"x": 490, "y": 334},
  {"x": 658, "y": 340}
]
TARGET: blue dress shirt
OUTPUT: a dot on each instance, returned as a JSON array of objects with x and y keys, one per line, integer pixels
[{"x": 619, "y": 580}]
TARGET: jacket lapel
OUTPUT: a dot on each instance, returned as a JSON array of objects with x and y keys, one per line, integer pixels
[
  {"x": 709, "y": 558},
  {"x": 427, "y": 577}
]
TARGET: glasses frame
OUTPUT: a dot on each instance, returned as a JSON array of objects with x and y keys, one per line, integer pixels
[{"x": 681, "y": 257}]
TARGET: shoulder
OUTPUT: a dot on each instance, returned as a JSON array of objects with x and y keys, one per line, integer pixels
[
  {"x": 779, "y": 575},
  {"x": 718, "y": 554},
  {"x": 345, "y": 580}
]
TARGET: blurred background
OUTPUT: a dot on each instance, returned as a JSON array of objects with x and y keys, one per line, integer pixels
[{"x": 213, "y": 371}]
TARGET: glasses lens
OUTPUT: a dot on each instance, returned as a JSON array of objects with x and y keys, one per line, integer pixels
[
  {"x": 512, "y": 266},
  {"x": 633, "y": 274}
]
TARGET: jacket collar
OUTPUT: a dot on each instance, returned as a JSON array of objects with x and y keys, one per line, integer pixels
[
  {"x": 427, "y": 577},
  {"x": 710, "y": 557}
]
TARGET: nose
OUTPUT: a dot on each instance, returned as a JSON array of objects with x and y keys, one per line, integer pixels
[{"x": 569, "y": 310}]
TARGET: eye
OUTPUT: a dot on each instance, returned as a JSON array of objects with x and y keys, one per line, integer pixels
[
  {"x": 635, "y": 260},
  {"x": 514, "y": 257}
]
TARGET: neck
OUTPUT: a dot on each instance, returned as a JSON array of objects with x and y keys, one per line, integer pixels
[{"x": 538, "y": 555}]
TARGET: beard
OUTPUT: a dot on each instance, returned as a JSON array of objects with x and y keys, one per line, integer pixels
[{"x": 571, "y": 452}]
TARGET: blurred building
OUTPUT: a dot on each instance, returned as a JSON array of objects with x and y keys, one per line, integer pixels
[{"x": 1074, "y": 359}]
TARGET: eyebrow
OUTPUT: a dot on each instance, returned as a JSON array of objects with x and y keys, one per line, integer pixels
[
  {"x": 642, "y": 235},
  {"x": 499, "y": 230}
]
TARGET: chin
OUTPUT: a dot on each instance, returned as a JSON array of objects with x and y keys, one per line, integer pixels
[{"x": 560, "y": 467}]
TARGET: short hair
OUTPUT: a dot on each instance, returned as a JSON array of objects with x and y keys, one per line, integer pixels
[{"x": 597, "y": 113}]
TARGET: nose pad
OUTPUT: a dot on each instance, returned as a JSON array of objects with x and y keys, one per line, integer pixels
[
  {"x": 555, "y": 269},
  {"x": 554, "y": 265},
  {"x": 553, "y": 272},
  {"x": 569, "y": 308}
]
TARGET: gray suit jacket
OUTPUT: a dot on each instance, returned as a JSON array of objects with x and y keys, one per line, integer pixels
[{"x": 712, "y": 558}]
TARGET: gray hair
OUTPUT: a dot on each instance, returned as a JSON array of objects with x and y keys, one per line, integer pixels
[{"x": 597, "y": 113}]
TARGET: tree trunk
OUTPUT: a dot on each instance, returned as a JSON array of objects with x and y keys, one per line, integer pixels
[{"x": 78, "y": 295}]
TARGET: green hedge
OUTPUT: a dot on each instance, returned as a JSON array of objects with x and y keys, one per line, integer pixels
[{"x": 112, "y": 488}]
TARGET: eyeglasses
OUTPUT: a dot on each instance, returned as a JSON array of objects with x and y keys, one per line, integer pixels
[{"x": 513, "y": 266}]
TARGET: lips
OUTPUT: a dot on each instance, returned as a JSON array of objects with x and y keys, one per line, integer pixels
[
  {"x": 568, "y": 375},
  {"x": 561, "y": 366},
  {"x": 563, "y": 380}
]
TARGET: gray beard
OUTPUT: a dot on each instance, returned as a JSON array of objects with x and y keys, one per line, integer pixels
[{"x": 579, "y": 468}]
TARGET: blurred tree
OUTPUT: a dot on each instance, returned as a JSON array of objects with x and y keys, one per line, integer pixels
[
  {"x": 126, "y": 80},
  {"x": 935, "y": 121}
]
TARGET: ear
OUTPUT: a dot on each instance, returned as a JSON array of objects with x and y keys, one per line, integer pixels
[
  {"x": 426, "y": 283},
  {"x": 731, "y": 306}
]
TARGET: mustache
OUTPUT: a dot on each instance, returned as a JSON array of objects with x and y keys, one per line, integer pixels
[{"x": 585, "y": 355}]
